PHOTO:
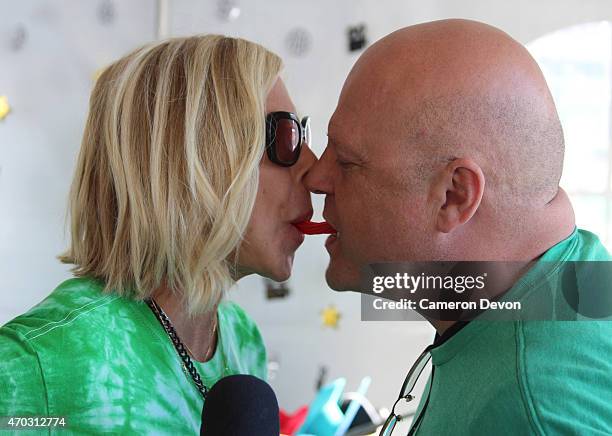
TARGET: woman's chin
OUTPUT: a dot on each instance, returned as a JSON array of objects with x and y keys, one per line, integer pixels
[
  {"x": 282, "y": 270},
  {"x": 281, "y": 276}
]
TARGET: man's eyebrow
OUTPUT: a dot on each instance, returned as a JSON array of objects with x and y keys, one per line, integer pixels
[{"x": 342, "y": 148}]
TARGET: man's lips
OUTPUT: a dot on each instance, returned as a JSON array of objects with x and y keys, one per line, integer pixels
[{"x": 312, "y": 228}]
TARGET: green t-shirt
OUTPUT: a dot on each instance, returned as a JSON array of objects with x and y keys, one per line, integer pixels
[
  {"x": 106, "y": 364},
  {"x": 525, "y": 377}
]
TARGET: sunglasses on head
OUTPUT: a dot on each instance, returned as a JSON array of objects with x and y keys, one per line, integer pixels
[{"x": 285, "y": 136}]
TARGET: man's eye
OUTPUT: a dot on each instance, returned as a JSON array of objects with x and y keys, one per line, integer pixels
[{"x": 344, "y": 164}]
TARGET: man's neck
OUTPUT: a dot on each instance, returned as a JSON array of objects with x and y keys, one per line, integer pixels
[
  {"x": 501, "y": 276},
  {"x": 546, "y": 227}
]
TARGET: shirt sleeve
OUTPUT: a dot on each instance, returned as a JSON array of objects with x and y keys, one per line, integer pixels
[{"x": 22, "y": 385}]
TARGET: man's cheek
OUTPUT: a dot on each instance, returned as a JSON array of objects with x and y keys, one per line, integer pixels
[{"x": 355, "y": 238}]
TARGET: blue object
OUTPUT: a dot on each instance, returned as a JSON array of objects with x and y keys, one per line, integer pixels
[
  {"x": 324, "y": 413},
  {"x": 325, "y": 418},
  {"x": 353, "y": 407}
]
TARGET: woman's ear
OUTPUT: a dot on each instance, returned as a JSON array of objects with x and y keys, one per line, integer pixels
[{"x": 459, "y": 190}]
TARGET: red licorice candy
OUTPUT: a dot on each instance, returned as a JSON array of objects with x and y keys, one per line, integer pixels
[{"x": 311, "y": 228}]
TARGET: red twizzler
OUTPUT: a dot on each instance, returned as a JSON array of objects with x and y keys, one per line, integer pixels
[{"x": 311, "y": 228}]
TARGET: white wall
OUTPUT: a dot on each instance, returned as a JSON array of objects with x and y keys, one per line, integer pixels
[{"x": 48, "y": 82}]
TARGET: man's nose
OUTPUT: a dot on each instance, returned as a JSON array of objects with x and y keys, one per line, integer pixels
[
  {"x": 318, "y": 180},
  {"x": 305, "y": 162}
]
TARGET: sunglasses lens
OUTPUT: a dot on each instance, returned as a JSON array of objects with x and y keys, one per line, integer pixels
[{"x": 287, "y": 140}]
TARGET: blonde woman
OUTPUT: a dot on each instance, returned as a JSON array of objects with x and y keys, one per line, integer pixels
[{"x": 189, "y": 178}]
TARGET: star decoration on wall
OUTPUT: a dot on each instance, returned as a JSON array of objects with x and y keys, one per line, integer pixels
[
  {"x": 5, "y": 108},
  {"x": 330, "y": 316}
]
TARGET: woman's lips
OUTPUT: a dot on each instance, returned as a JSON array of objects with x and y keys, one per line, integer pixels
[
  {"x": 312, "y": 228},
  {"x": 296, "y": 235}
]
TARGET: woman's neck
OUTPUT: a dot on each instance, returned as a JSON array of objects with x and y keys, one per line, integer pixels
[{"x": 198, "y": 334}]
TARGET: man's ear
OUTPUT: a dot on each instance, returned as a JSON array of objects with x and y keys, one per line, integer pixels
[{"x": 458, "y": 192}]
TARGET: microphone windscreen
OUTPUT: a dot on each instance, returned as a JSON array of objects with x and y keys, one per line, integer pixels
[{"x": 240, "y": 405}]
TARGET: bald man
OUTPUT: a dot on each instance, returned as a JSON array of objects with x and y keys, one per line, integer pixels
[{"x": 446, "y": 145}]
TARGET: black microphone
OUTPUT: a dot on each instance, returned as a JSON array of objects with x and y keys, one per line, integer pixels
[{"x": 240, "y": 405}]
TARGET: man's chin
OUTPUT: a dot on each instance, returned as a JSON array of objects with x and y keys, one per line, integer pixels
[{"x": 341, "y": 279}]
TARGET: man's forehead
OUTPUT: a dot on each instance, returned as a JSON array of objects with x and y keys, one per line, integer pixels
[
  {"x": 345, "y": 131},
  {"x": 358, "y": 126}
]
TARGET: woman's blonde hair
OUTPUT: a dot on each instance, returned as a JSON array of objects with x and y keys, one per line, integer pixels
[{"x": 168, "y": 170}]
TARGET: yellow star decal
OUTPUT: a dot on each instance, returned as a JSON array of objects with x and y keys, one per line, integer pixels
[
  {"x": 330, "y": 316},
  {"x": 5, "y": 108}
]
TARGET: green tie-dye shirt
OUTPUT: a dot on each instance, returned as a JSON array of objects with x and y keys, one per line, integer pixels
[{"x": 106, "y": 364}]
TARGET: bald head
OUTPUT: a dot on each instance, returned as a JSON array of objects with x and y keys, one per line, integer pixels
[
  {"x": 458, "y": 88},
  {"x": 445, "y": 145}
]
